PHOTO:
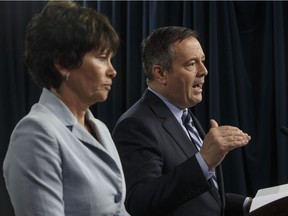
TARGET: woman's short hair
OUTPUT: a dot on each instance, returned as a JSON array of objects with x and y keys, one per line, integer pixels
[{"x": 63, "y": 33}]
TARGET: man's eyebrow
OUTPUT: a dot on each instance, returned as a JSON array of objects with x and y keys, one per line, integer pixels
[{"x": 196, "y": 58}]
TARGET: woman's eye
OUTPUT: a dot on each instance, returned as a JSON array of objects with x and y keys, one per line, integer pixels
[{"x": 102, "y": 58}]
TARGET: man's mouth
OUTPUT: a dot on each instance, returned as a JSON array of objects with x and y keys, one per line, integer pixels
[{"x": 197, "y": 87}]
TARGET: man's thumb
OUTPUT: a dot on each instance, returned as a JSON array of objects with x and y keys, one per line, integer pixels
[{"x": 213, "y": 123}]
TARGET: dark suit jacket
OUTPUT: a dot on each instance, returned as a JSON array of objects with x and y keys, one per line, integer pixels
[{"x": 162, "y": 173}]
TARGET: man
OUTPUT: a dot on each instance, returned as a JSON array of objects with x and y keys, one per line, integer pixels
[{"x": 171, "y": 168}]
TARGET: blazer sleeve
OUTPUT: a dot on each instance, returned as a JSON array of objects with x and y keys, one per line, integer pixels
[
  {"x": 32, "y": 171},
  {"x": 151, "y": 191}
]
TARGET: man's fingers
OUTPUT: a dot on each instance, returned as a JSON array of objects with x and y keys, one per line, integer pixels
[{"x": 213, "y": 123}]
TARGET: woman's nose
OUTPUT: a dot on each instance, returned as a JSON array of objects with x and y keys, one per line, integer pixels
[{"x": 111, "y": 71}]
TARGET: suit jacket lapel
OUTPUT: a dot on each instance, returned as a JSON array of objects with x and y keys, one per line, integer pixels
[
  {"x": 172, "y": 126},
  {"x": 198, "y": 126},
  {"x": 170, "y": 123}
]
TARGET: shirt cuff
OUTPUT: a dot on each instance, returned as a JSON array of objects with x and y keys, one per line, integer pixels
[{"x": 207, "y": 173}]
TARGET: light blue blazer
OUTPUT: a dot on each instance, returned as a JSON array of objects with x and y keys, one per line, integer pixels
[{"x": 54, "y": 167}]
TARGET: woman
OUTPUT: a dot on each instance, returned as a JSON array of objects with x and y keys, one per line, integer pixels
[{"x": 61, "y": 160}]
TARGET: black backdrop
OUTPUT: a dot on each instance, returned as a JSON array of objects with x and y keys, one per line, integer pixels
[{"x": 246, "y": 55}]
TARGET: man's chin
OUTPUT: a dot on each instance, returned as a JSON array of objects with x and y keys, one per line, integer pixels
[{"x": 196, "y": 101}]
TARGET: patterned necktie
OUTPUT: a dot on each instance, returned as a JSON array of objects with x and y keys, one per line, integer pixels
[
  {"x": 192, "y": 131},
  {"x": 194, "y": 136}
]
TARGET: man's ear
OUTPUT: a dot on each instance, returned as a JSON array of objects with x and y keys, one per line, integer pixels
[{"x": 160, "y": 74}]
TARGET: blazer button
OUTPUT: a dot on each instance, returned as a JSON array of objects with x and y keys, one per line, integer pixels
[{"x": 117, "y": 198}]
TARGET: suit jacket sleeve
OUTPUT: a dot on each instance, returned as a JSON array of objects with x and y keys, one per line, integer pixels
[
  {"x": 232, "y": 203},
  {"x": 150, "y": 190}
]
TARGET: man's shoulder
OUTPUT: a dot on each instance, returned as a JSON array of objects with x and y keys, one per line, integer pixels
[{"x": 138, "y": 110}]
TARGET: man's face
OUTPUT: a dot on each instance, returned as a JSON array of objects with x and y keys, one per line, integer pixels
[{"x": 185, "y": 79}]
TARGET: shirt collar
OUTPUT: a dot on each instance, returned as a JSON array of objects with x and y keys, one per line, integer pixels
[{"x": 177, "y": 112}]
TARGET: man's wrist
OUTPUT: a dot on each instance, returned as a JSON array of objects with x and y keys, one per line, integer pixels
[{"x": 247, "y": 205}]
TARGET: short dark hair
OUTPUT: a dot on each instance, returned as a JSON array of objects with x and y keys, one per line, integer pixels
[
  {"x": 156, "y": 48},
  {"x": 63, "y": 33}
]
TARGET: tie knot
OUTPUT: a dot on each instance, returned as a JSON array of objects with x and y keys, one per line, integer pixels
[{"x": 186, "y": 118}]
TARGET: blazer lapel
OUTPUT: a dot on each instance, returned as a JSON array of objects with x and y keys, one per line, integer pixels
[
  {"x": 104, "y": 148},
  {"x": 60, "y": 112},
  {"x": 84, "y": 136}
]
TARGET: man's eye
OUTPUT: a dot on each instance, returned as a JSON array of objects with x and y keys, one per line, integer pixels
[{"x": 190, "y": 65}]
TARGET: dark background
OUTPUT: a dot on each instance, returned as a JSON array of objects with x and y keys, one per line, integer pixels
[{"x": 246, "y": 55}]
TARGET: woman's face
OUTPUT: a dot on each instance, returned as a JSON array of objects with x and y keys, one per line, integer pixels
[{"x": 91, "y": 82}]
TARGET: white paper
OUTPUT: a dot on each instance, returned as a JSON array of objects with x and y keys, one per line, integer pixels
[{"x": 267, "y": 195}]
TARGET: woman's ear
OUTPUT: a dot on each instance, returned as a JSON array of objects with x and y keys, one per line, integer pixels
[
  {"x": 60, "y": 69},
  {"x": 63, "y": 71},
  {"x": 160, "y": 74}
]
